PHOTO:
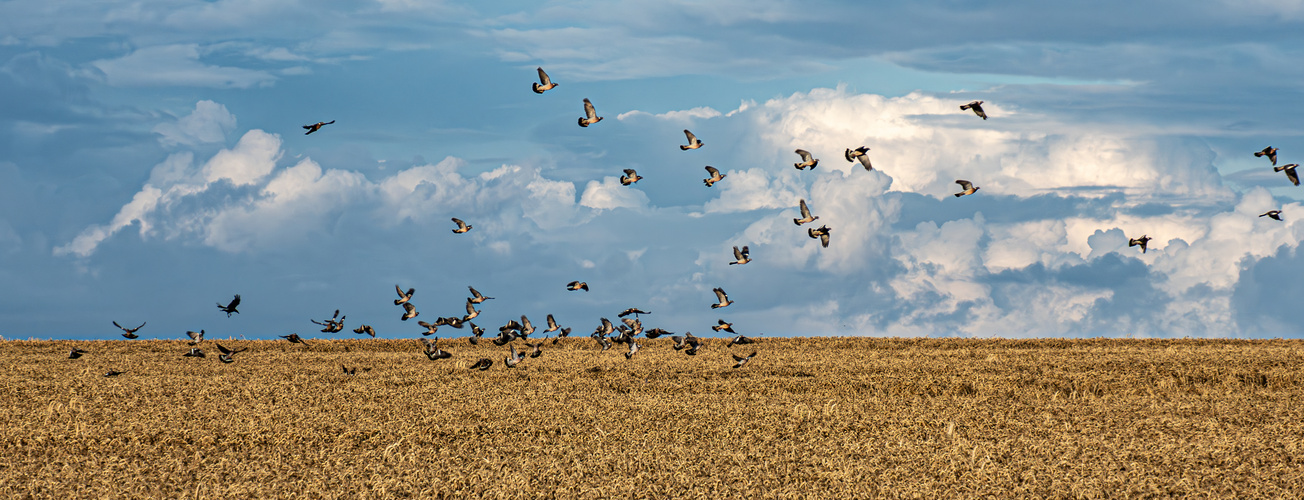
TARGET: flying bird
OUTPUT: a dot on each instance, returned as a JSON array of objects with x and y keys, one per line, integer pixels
[
  {"x": 526, "y": 327},
  {"x": 739, "y": 340},
  {"x": 976, "y": 106},
  {"x": 805, "y": 214},
  {"x": 657, "y": 332},
  {"x": 403, "y": 297},
  {"x": 76, "y": 353},
  {"x": 633, "y": 349},
  {"x": 194, "y": 352},
  {"x": 538, "y": 351},
  {"x": 476, "y": 297},
  {"x": 1141, "y": 242},
  {"x": 806, "y": 160},
  {"x": 633, "y": 310},
  {"x": 514, "y": 358},
  {"x": 590, "y": 115},
  {"x": 409, "y": 312},
  {"x": 967, "y": 186},
  {"x": 631, "y": 176},
  {"x": 552, "y": 326},
  {"x": 693, "y": 143},
  {"x": 195, "y": 337},
  {"x": 1270, "y": 152},
  {"x": 129, "y": 332},
  {"x": 483, "y": 364},
  {"x": 564, "y": 332},
  {"x": 545, "y": 84},
  {"x": 577, "y": 285},
  {"x": 294, "y": 338},
  {"x": 859, "y": 154},
  {"x": 715, "y": 177},
  {"x": 722, "y": 297},
  {"x": 462, "y": 227},
  {"x": 367, "y": 329},
  {"x": 694, "y": 344},
  {"x": 230, "y": 308},
  {"x": 742, "y": 360},
  {"x": 602, "y": 341},
  {"x": 471, "y": 313},
  {"x": 723, "y": 325},
  {"x": 226, "y": 355},
  {"x": 1272, "y": 214},
  {"x": 822, "y": 233},
  {"x": 741, "y": 256},
  {"x": 1290, "y": 172},
  {"x": 316, "y": 126}
]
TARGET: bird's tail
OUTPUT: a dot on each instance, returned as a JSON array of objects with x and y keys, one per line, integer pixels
[
  {"x": 957, "y": 195},
  {"x": 1278, "y": 169},
  {"x": 583, "y": 123},
  {"x": 536, "y": 88}
]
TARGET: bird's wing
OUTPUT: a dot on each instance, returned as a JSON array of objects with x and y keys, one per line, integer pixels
[
  {"x": 805, "y": 211},
  {"x": 692, "y": 139},
  {"x": 966, "y": 185},
  {"x": 407, "y": 306},
  {"x": 712, "y": 170},
  {"x": 234, "y": 302},
  {"x": 864, "y": 160},
  {"x": 805, "y": 155},
  {"x": 631, "y": 172},
  {"x": 738, "y": 358},
  {"x": 309, "y": 126},
  {"x": 459, "y": 222},
  {"x": 1292, "y": 175},
  {"x": 543, "y": 78},
  {"x": 746, "y": 251},
  {"x": 824, "y": 239},
  {"x": 738, "y": 254},
  {"x": 115, "y": 323},
  {"x": 588, "y": 109},
  {"x": 552, "y": 323},
  {"x": 719, "y": 294}
]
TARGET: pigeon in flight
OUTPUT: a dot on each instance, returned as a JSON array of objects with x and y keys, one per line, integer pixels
[
  {"x": 715, "y": 177},
  {"x": 316, "y": 126},
  {"x": 577, "y": 285},
  {"x": 631, "y": 176},
  {"x": 462, "y": 227},
  {"x": 476, "y": 297},
  {"x": 195, "y": 337},
  {"x": 294, "y": 338},
  {"x": 403, "y": 297},
  {"x": 545, "y": 84},
  {"x": 226, "y": 354},
  {"x": 129, "y": 332},
  {"x": 590, "y": 115},
  {"x": 822, "y": 233},
  {"x": 807, "y": 161},
  {"x": 633, "y": 310},
  {"x": 76, "y": 353},
  {"x": 1141, "y": 242},
  {"x": 1270, "y": 152},
  {"x": 693, "y": 143},
  {"x": 742, "y": 360},
  {"x": 741, "y": 256},
  {"x": 977, "y": 107},
  {"x": 968, "y": 188},
  {"x": 409, "y": 311},
  {"x": 230, "y": 308},
  {"x": 1290, "y": 172},
  {"x": 723, "y": 325},
  {"x": 194, "y": 352},
  {"x": 722, "y": 297},
  {"x": 805, "y": 214},
  {"x": 859, "y": 154},
  {"x": 1272, "y": 214},
  {"x": 367, "y": 329},
  {"x": 514, "y": 358},
  {"x": 483, "y": 364}
]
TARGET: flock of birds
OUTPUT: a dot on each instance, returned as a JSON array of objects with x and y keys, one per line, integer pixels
[{"x": 607, "y": 334}]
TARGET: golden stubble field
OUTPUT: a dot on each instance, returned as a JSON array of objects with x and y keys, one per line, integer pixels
[{"x": 809, "y": 418}]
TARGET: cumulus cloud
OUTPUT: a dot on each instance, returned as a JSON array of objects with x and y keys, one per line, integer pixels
[{"x": 209, "y": 122}]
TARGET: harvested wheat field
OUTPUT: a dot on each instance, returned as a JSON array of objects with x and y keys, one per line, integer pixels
[{"x": 808, "y": 418}]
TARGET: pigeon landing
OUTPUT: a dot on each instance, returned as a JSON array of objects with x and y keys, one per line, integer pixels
[{"x": 129, "y": 332}]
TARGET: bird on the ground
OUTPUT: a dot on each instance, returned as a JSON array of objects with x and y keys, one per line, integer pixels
[
  {"x": 577, "y": 285},
  {"x": 1270, "y": 152},
  {"x": 602, "y": 341},
  {"x": 977, "y": 107},
  {"x": 805, "y": 213},
  {"x": 1141, "y": 242},
  {"x": 742, "y": 360},
  {"x": 807, "y": 161},
  {"x": 693, "y": 143},
  {"x": 129, "y": 332},
  {"x": 739, "y": 340},
  {"x": 1290, "y": 172},
  {"x": 403, "y": 297},
  {"x": 76, "y": 353},
  {"x": 431, "y": 328},
  {"x": 1272, "y": 214},
  {"x": 367, "y": 329},
  {"x": 552, "y": 325},
  {"x": 483, "y": 364},
  {"x": 679, "y": 342},
  {"x": 514, "y": 358},
  {"x": 462, "y": 226},
  {"x": 631, "y": 176},
  {"x": 433, "y": 352},
  {"x": 741, "y": 256},
  {"x": 564, "y": 332},
  {"x": 694, "y": 344},
  {"x": 476, "y": 297},
  {"x": 722, "y": 297},
  {"x": 409, "y": 311},
  {"x": 723, "y": 326},
  {"x": 226, "y": 354},
  {"x": 590, "y": 115},
  {"x": 859, "y": 154},
  {"x": 544, "y": 84},
  {"x": 195, "y": 352},
  {"x": 715, "y": 177},
  {"x": 822, "y": 233},
  {"x": 316, "y": 126},
  {"x": 294, "y": 338},
  {"x": 114, "y": 373},
  {"x": 966, "y": 186},
  {"x": 633, "y": 310},
  {"x": 195, "y": 337},
  {"x": 504, "y": 337},
  {"x": 349, "y": 371},
  {"x": 476, "y": 333},
  {"x": 230, "y": 307}
]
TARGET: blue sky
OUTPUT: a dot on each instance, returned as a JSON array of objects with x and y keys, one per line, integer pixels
[{"x": 153, "y": 164}]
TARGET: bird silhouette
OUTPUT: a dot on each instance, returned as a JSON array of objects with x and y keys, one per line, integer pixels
[
  {"x": 977, "y": 107},
  {"x": 1272, "y": 214},
  {"x": 1141, "y": 242},
  {"x": 129, "y": 332},
  {"x": 1290, "y": 172},
  {"x": 316, "y": 126},
  {"x": 1270, "y": 152},
  {"x": 229, "y": 309}
]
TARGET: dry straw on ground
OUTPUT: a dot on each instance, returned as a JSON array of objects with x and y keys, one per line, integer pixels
[{"x": 809, "y": 418}]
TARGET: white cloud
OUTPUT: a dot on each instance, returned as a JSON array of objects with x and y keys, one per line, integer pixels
[
  {"x": 209, "y": 122},
  {"x": 178, "y": 65},
  {"x": 610, "y": 194}
]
